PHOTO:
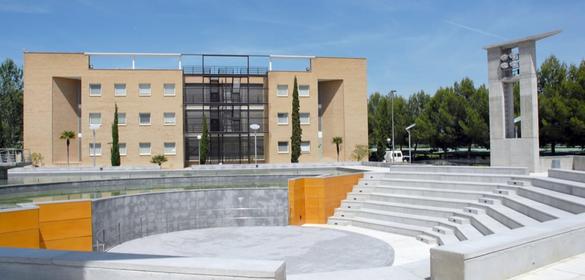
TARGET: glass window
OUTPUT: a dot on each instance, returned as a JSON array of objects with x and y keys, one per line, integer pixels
[
  {"x": 95, "y": 152},
  {"x": 305, "y": 146},
  {"x": 120, "y": 89},
  {"x": 121, "y": 118},
  {"x": 169, "y": 90},
  {"x": 122, "y": 149},
  {"x": 282, "y": 118},
  {"x": 95, "y": 118},
  {"x": 282, "y": 90},
  {"x": 304, "y": 118},
  {"x": 144, "y": 118},
  {"x": 144, "y": 149},
  {"x": 144, "y": 89},
  {"x": 282, "y": 146},
  {"x": 170, "y": 148},
  {"x": 95, "y": 89},
  {"x": 303, "y": 90},
  {"x": 169, "y": 118}
]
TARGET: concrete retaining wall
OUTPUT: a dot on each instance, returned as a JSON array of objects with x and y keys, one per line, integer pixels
[
  {"x": 123, "y": 218},
  {"x": 579, "y": 163},
  {"x": 504, "y": 255},
  {"x": 566, "y": 162},
  {"x": 25, "y": 264}
]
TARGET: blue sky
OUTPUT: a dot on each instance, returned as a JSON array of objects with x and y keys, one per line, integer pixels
[{"x": 410, "y": 45}]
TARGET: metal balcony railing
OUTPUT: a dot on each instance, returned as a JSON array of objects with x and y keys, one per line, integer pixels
[
  {"x": 14, "y": 157},
  {"x": 225, "y": 70}
]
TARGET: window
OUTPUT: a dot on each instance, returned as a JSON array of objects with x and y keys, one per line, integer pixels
[
  {"x": 282, "y": 118},
  {"x": 144, "y": 118},
  {"x": 95, "y": 118},
  {"x": 170, "y": 148},
  {"x": 120, "y": 89},
  {"x": 97, "y": 151},
  {"x": 144, "y": 89},
  {"x": 95, "y": 90},
  {"x": 169, "y": 90},
  {"x": 121, "y": 118},
  {"x": 122, "y": 149},
  {"x": 305, "y": 118},
  {"x": 144, "y": 149},
  {"x": 282, "y": 90},
  {"x": 304, "y": 90},
  {"x": 169, "y": 118},
  {"x": 305, "y": 146},
  {"x": 282, "y": 147}
]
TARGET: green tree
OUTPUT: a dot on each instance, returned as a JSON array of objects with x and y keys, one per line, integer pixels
[
  {"x": 158, "y": 159},
  {"x": 382, "y": 128},
  {"x": 11, "y": 100},
  {"x": 295, "y": 138},
  {"x": 204, "y": 142},
  {"x": 417, "y": 104},
  {"x": 337, "y": 140},
  {"x": 373, "y": 102},
  {"x": 115, "y": 150},
  {"x": 67, "y": 135}
]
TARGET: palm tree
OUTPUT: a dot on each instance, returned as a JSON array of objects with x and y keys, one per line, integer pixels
[
  {"x": 67, "y": 135},
  {"x": 337, "y": 140}
]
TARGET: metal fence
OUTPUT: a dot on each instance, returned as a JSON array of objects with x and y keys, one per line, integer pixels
[{"x": 14, "y": 157}]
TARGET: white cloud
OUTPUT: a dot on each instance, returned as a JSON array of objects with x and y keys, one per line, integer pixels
[{"x": 23, "y": 8}]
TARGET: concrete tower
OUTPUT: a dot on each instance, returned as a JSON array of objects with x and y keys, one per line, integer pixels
[{"x": 514, "y": 140}]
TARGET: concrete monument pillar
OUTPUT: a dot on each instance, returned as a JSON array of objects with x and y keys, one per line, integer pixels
[{"x": 514, "y": 139}]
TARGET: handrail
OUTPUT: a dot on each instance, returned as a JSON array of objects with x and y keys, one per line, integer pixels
[{"x": 14, "y": 157}]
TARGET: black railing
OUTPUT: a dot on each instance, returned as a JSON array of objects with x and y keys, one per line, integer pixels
[{"x": 224, "y": 70}]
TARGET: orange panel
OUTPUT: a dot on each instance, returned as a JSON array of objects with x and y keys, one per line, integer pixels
[
  {"x": 74, "y": 244},
  {"x": 65, "y": 229},
  {"x": 19, "y": 220},
  {"x": 20, "y": 239},
  {"x": 58, "y": 211}
]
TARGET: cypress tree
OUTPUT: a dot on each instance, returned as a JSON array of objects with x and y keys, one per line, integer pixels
[
  {"x": 115, "y": 152},
  {"x": 204, "y": 143},
  {"x": 297, "y": 132}
]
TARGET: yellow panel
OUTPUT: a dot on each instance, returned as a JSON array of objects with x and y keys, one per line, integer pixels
[
  {"x": 21, "y": 239},
  {"x": 19, "y": 220},
  {"x": 64, "y": 210},
  {"x": 65, "y": 229},
  {"x": 73, "y": 244}
]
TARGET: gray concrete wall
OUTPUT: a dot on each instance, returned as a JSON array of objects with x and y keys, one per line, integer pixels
[
  {"x": 579, "y": 163},
  {"x": 566, "y": 162},
  {"x": 32, "y": 264},
  {"x": 510, "y": 253},
  {"x": 123, "y": 218}
]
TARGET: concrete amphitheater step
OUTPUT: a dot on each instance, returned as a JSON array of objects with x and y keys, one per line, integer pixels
[
  {"x": 461, "y": 177},
  {"x": 559, "y": 185},
  {"x": 569, "y": 175},
  {"x": 393, "y": 227},
  {"x": 566, "y": 202},
  {"x": 428, "y": 192},
  {"x": 509, "y": 217},
  {"x": 453, "y": 185},
  {"x": 461, "y": 231},
  {"x": 462, "y": 169},
  {"x": 478, "y": 218}
]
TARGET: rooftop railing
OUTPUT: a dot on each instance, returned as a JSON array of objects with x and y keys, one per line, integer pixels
[{"x": 224, "y": 70}]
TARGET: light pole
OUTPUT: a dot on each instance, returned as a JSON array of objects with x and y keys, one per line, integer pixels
[
  {"x": 392, "y": 92},
  {"x": 388, "y": 141},
  {"x": 199, "y": 146},
  {"x": 93, "y": 128},
  {"x": 255, "y": 127},
  {"x": 409, "y": 148}
]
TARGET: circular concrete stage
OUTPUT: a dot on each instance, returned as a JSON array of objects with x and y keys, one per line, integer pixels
[{"x": 305, "y": 249}]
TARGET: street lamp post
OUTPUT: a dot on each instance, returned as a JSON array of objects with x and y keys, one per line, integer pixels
[
  {"x": 93, "y": 128},
  {"x": 199, "y": 146},
  {"x": 392, "y": 92},
  {"x": 409, "y": 148},
  {"x": 255, "y": 127},
  {"x": 391, "y": 152}
]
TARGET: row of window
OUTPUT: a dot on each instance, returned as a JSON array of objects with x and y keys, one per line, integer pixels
[
  {"x": 169, "y": 118},
  {"x": 305, "y": 118},
  {"x": 144, "y": 89},
  {"x": 282, "y": 90},
  {"x": 283, "y": 147},
  {"x": 143, "y": 149}
]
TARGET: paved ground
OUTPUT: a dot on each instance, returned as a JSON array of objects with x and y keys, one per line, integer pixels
[
  {"x": 568, "y": 269},
  {"x": 305, "y": 249}
]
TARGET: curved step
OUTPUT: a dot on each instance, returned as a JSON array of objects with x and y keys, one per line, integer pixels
[
  {"x": 559, "y": 185},
  {"x": 460, "y": 169},
  {"x": 451, "y": 185},
  {"x": 566, "y": 202},
  {"x": 461, "y": 177}
]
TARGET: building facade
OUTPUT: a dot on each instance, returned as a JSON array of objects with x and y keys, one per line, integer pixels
[{"x": 161, "y": 110}]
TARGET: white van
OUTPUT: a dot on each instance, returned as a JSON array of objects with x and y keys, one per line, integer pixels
[{"x": 393, "y": 156}]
